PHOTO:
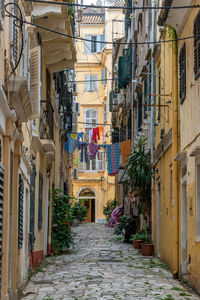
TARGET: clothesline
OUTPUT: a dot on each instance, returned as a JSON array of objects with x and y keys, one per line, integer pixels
[{"x": 112, "y": 150}]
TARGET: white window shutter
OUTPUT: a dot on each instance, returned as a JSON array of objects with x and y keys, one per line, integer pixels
[
  {"x": 35, "y": 62},
  {"x": 94, "y": 84},
  {"x": 87, "y": 83},
  {"x": 87, "y": 44}
]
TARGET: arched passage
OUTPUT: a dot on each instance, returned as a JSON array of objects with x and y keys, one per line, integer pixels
[{"x": 89, "y": 199}]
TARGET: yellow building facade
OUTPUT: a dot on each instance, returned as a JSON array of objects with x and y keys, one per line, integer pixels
[
  {"x": 31, "y": 128},
  {"x": 165, "y": 205},
  {"x": 93, "y": 76}
]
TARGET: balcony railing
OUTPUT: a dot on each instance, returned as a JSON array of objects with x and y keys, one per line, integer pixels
[{"x": 46, "y": 120}]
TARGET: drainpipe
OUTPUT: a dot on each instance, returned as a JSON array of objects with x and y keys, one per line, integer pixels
[
  {"x": 153, "y": 92},
  {"x": 175, "y": 149}
]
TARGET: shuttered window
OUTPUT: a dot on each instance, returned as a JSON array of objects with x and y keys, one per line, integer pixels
[
  {"x": 92, "y": 46},
  {"x": 139, "y": 111},
  {"x": 91, "y": 83},
  {"x": 20, "y": 212},
  {"x": 197, "y": 46},
  {"x": 40, "y": 201},
  {"x": 159, "y": 92},
  {"x": 14, "y": 34},
  {"x": 1, "y": 214},
  {"x": 93, "y": 165},
  {"x": 105, "y": 113},
  {"x": 91, "y": 118},
  {"x": 35, "y": 83},
  {"x": 182, "y": 73},
  {"x": 103, "y": 76}
]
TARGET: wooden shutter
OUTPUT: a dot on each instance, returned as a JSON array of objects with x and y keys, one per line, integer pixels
[
  {"x": 1, "y": 214},
  {"x": 94, "y": 83},
  {"x": 32, "y": 208},
  {"x": 103, "y": 76},
  {"x": 196, "y": 32},
  {"x": 139, "y": 111},
  {"x": 14, "y": 34},
  {"x": 40, "y": 201},
  {"x": 87, "y": 44},
  {"x": 35, "y": 62},
  {"x": 94, "y": 44},
  {"x": 100, "y": 161},
  {"x": 87, "y": 83},
  {"x": 81, "y": 165},
  {"x": 20, "y": 212},
  {"x": 182, "y": 73}
]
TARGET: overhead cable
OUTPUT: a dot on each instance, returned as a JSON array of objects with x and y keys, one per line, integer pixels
[{"x": 115, "y": 7}]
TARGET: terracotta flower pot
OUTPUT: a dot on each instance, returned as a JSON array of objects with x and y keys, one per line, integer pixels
[
  {"x": 147, "y": 249},
  {"x": 137, "y": 244}
]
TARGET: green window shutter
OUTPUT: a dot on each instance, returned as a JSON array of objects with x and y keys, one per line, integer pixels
[
  {"x": 149, "y": 87},
  {"x": 20, "y": 211},
  {"x": 120, "y": 72},
  {"x": 110, "y": 101},
  {"x": 182, "y": 73},
  {"x": 40, "y": 201},
  {"x": 127, "y": 65},
  {"x": 139, "y": 111},
  {"x": 145, "y": 97}
]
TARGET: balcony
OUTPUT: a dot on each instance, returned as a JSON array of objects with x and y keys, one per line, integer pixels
[
  {"x": 59, "y": 51},
  {"x": 46, "y": 127},
  {"x": 20, "y": 97}
]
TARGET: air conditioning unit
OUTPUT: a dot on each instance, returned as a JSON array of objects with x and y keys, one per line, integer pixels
[
  {"x": 78, "y": 108},
  {"x": 75, "y": 173},
  {"x": 121, "y": 99},
  {"x": 162, "y": 133},
  {"x": 115, "y": 104}
]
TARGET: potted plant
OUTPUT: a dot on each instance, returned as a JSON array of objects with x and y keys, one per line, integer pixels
[
  {"x": 147, "y": 247},
  {"x": 137, "y": 240},
  {"x": 79, "y": 212}
]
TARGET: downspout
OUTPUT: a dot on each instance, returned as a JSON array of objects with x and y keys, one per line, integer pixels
[
  {"x": 132, "y": 84},
  {"x": 153, "y": 92},
  {"x": 175, "y": 150}
]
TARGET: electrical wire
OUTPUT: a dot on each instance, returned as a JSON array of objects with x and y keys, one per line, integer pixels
[
  {"x": 105, "y": 42},
  {"x": 115, "y": 7},
  {"x": 113, "y": 43},
  {"x": 20, "y": 26}
]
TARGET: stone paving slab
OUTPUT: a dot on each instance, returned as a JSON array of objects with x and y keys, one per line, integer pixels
[{"x": 101, "y": 268}]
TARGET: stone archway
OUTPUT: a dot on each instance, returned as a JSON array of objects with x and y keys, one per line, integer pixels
[{"x": 89, "y": 199}]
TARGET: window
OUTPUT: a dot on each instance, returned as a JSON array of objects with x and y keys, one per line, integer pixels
[
  {"x": 196, "y": 32},
  {"x": 93, "y": 165},
  {"x": 92, "y": 46},
  {"x": 198, "y": 202},
  {"x": 182, "y": 73},
  {"x": 91, "y": 118},
  {"x": 91, "y": 83},
  {"x": 105, "y": 113},
  {"x": 139, "y": 111},
  {"x": 40, "y": 200}
]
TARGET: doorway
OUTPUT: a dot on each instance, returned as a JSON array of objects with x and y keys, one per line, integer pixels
[
  {"x": 184, "y": 228},
  {"x": 158, "y": 220},
  {"x": 89, "y": 200}
]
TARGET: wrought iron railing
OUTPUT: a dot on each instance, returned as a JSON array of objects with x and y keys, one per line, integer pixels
[{"x": 46, "y": 120}]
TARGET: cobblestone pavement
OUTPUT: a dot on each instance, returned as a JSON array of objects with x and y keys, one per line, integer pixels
[{"x": 100, "y": 267}]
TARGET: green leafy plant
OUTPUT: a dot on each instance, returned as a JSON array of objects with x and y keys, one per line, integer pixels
[
  {"x": 109, "y": 207},
  {"x": 139, "y": 170},
  {"x": 62, "y": 216},
  {"x": 126, "y": 227},
  {"x": 141, "y": 236},
  {"x": 79, "y": 211}
]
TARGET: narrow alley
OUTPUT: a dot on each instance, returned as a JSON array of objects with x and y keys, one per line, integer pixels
[{"x": 101, "y": 267}]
